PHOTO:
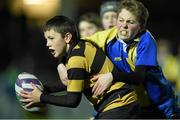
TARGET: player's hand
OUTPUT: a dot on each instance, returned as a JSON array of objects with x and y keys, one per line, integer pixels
[
  {"x": 103, "y": 81},
  {"x": 31, "y": 97},
  {"x": 62, "y": 71}
]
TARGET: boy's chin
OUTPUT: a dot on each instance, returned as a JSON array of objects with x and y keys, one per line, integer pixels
[{"x": 56, "y": 56}]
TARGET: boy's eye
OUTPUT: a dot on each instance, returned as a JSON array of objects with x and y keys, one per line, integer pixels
[
  {"x": 51, "y": 38},
  {"x": 131, "y": 21},
  {"x": 120, "y": 20}
]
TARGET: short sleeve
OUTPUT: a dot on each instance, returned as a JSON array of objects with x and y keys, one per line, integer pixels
[
  {"x": 76, "y": 74},
  {"x": 146, "y": 51}
]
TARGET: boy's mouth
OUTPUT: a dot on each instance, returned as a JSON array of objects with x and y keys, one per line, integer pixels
[
  {"x": 52, "y": 51},
  {"x": 124, "y": 33}
]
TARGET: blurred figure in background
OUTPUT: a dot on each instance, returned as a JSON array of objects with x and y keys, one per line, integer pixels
[
  {"x": 108, "y": 13},
  {"x": 164, "y": 50},
  {"x": 89, "y": 23},
  {"x": 167, "y": 61},
  {"x": 178, "y": 59},
  {"x": 177, "y": 88}
]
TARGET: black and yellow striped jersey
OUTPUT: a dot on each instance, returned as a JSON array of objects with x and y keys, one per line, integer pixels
[{"x": 84, "y": 60}]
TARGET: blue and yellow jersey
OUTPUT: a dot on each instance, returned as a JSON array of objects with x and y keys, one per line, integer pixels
[
  {"x": 85, "y": 60},
  {"x": 127, "y": 56},
  {"x": 124, "y": 60},
  {"x": 141, "y": 51}
]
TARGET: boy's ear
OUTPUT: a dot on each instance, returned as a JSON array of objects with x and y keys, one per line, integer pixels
[{"x": 68, "y": 37}]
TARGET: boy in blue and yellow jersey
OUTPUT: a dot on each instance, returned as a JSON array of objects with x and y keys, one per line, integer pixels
[
  {"x": 133, "y": 51},
  {"x": 83, "y": 61}
]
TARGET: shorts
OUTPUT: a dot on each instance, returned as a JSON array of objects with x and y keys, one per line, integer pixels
[{"x": 129, "y": 111}]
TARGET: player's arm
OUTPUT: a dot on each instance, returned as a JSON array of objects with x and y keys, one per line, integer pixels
[
  {"x": 147, "y": 49},
  {"x": 74, "y": 88},
  {"x": 54, "y": 86},
  {"x": 146, "y": 59},
  {"x": 76, "y": 75},
  {"x": 72, "y": 99},
  {"x": 105, "y": 80},
  {"x": 135, "y": 78}
]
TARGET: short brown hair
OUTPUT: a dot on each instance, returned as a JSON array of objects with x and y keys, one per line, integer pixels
[
  {"x": 137, "y": 9},
  {"x": 62, "y": 25},
  {"x": 91, "y": 18}
]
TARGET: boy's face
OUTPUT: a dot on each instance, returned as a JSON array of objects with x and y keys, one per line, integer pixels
[
  {"x": 55, "y": 42},
  {"x": 128, "y": 25},
  {"x": 86, "y": 28},
  {"x": 109, "y": 19}
]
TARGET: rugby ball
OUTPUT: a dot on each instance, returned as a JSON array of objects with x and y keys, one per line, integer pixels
[{"x": 23, "y": 82}]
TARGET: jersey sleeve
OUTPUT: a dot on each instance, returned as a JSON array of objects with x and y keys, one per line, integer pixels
[
  {"x": 146, "y": 51},
  {"x": 76, "y": 74}
]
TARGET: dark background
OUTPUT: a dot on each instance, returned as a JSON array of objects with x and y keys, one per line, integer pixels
[{"x": 22, "y": 48}]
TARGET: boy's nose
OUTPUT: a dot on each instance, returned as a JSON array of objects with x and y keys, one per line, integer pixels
[
  {"x": 48, "y": 44},
  {"x": 125, "y": 25}
]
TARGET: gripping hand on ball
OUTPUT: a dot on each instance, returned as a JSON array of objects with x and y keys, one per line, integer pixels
[{"x": 31, "y": 97}]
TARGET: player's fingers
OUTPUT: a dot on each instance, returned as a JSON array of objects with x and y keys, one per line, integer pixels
[
  {"x": 94, "y": 87},
  {"x": 23, "y": 92},
  {"x": 29, "y": 104},
  {"x": 25, "y": 100},
  {"x": 98, "y": 87},
  {"x": 100, "y": 91},
  {"x": 94, "y": 78},
  {"x": 23, "y": 95}
]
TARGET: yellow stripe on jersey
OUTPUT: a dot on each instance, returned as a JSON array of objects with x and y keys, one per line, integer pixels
[
  {"x": 119, "y": 102},
  {"x": 106, "y": 66},
  {"x": 115, "y": 86},
  {"x": 76, "y": 62},
  {"x": 89, "y": 52},
  {"x": 132, "y": 56},
  {"x": 75, "y": 85}
]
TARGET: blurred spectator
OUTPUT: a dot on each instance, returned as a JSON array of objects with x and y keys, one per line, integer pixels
[
  {"x": 178, "y": 59},
  {"x": 178, "y": 79},
  {"x": 108, "y": 13},
  {"x": 89, "y": 23},
  {"x": 164, "y": 50},
  {"x": 168, "y": 61}
]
